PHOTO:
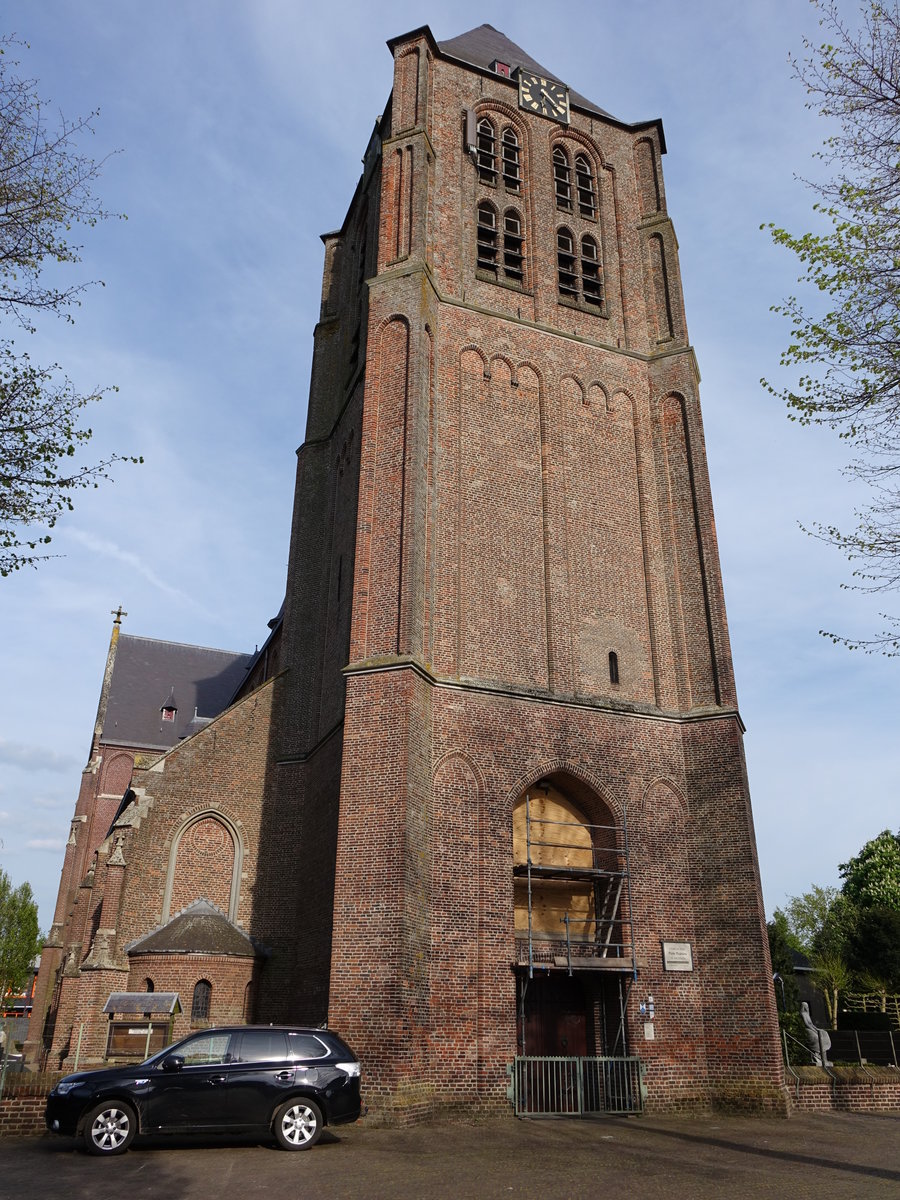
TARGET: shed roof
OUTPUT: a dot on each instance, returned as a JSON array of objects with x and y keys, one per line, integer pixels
[{"x": 143, "y": 1002}]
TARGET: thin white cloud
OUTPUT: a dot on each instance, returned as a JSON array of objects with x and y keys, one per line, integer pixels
[
  {"x": 57, "y": 845},
  {"x": 106, "y": 547},
  {"x": 35, "y": 758},
  {"x": 50, "y": 802}
]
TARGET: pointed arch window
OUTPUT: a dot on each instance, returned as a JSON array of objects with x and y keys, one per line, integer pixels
[
  {"x": 486, "y": 151},
  {"x": 591, "y": 281},
  {"x": 201, "y": 1001},
  {"x": 512, "y": 166},
  {"x": 562, "y": 179},
  {"x": 487, "y": 237},
  {"x": 584, "y": 183},
  {"x": 513, "y": 242}
]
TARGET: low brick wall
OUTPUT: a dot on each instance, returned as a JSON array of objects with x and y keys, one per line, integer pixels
[
  {"x": 847, "y": 1089},
  {"x": 21, "y": 1115},
  {"x": 23, "y": 1102}
]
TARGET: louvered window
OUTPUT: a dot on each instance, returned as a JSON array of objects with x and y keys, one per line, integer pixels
[
  {"x": 512, "y": 245},
  {"x": 486, "y": 152},
  {"x": 512, "y": 167},
  {"x": 591, "y": 281},
  {"x": 487, "y": 238},
  {"x": 584, "y": 182},
  {"x": 562, "y": 179},
  {"x": 566, "y": 264}
]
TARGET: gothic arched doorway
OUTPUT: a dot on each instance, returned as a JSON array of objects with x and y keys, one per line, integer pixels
[{"x": 572, "y": 922}]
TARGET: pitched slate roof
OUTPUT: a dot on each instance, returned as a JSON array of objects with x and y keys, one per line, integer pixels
[
  {"x": 149, "y": 674},
  {"x": 201, "y": 928},
  {"x": 482, "y": 45}
]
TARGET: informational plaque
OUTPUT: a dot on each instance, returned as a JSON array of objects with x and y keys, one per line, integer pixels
[{"x": 678, "y": 956}]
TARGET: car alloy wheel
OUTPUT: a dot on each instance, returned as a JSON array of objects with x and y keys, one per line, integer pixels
[
  {"x": 298, "y": 1124},
  {"x": 109, "y": 1128}
]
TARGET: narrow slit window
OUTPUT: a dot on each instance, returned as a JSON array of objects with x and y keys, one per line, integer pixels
[
  {"x": 613, "y": 667},
  {"x": 565, "y": 260},
  {"x": 487, "y": 238},
  {"x": 562, "y": 179},
  {"x": 486, "y": 152},
  {"x": 591, "y": 281},
  {"x": 512, "y": 167},
  {"x": 512, "y": 245},
  {"x": 584, "y": 182}
]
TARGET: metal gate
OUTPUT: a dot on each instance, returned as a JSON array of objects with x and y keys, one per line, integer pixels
[{"x": 576, "y": 1087}]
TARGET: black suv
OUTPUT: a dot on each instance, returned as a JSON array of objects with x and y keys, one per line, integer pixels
[{"x": 248, "y": 1078}]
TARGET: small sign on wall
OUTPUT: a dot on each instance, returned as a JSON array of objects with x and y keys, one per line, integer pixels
[{"x": 678, "y": 956}]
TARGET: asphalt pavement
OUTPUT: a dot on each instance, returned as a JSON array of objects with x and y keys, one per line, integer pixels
[{"x": 821, "y": 1157}]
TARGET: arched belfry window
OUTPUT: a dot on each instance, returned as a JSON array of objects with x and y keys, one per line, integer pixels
[
  {"x": 513, "y": 241},
  {"x": 512, "y": 166},
  {"x": 584, "y": 183},
  {"x": 566, "y": 264},
  {"x": 591, "y": 281},
  {"x": 486, "y": 151},
  {"x": 562, "y": 179},
  {"x": 486, "y": 238},
  {"x": 201, "y": 1001}
]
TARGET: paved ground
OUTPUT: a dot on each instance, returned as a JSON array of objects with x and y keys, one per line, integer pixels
[{"x": 826, "y": 1157}]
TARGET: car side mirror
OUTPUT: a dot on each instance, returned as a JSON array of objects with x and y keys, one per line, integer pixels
[{"x": 174, "y": 1062}]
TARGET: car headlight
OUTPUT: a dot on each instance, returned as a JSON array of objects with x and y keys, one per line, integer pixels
[
  {"x": 351, "y": 1068},
  {"x": 65, "y": 1086}
]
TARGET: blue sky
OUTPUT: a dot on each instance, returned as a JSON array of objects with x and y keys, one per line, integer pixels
[{"x": 240, "y": 127}]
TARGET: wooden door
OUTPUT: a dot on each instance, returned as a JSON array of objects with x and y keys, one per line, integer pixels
[{"x": 555, "y": 1018}]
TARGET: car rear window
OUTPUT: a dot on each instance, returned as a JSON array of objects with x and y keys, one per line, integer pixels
[
  {"x": 263, "y": 1045},
  {"x": 306, "y": 1045}
]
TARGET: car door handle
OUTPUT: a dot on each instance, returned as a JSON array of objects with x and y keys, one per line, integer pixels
[
  {"x": 214, "y": 1079},
  {"x": 284, "y": 1076}
]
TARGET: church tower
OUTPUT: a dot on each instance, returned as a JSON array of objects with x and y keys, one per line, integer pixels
[{"x": 507, "y": 741}]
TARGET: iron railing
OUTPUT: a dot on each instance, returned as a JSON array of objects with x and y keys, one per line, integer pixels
[
  {"x": 872, "y": 1047},
  {"x": 576, "y": 1087}
]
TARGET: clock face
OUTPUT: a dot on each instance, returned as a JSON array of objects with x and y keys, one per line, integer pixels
[{"x": 543, "y": 96}]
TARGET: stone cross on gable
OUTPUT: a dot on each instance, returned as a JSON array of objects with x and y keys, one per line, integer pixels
[{"x": 118, "y": 613}]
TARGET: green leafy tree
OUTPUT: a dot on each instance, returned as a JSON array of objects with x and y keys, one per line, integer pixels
[
  {"x": 804, "y": 916},
  {"x": 872, "y": 877},
  {"x": 20, "y": 938},
  {"x": 780, "y": 951},
  {"x": 844, "y": 352},
  {"x": 46, "y": 190},
  {"x": 833, "y": 976},
  {"x": 875, "y": 951}
]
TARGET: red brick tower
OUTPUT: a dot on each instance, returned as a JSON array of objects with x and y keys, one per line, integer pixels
[{"x": 532, "y": 769}]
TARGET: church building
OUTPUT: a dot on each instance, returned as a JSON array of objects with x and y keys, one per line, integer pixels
[{"x": 480, "y": 801}]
